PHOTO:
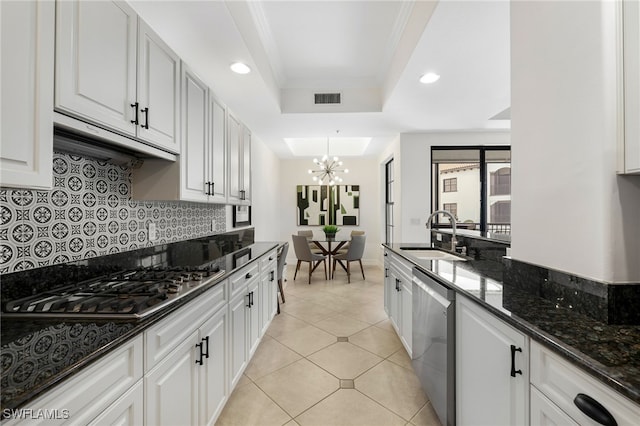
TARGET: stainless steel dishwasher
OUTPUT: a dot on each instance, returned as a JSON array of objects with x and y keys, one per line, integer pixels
[{"x": 433, "y": 343}]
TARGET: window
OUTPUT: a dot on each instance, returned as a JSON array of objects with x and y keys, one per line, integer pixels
[
  {"x": 451, "y": 208},
  {"x": 500, "y": 212},
  {"x": 450, "y": 185},
  {"x": 388, "y": 202},
  {"x": 474, "y": 184},
  {"x": 501, "y": 181}
]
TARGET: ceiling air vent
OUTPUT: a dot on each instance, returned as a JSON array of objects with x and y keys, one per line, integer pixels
[{"x": 327, "y": 98}]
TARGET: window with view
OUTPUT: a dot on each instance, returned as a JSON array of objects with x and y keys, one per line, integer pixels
[{"x": 473, "y": 184}]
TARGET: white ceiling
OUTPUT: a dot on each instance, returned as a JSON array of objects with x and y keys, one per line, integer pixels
[{"x": 372, "y": 52}]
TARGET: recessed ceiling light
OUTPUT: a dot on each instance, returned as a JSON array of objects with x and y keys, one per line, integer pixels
[
  {"x": 240, "y": 68},
  {"x": 429, "y": 77}
]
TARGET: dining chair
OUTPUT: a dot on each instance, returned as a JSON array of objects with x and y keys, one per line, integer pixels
[
  {"x": 345, "y": 247},
  {"x": 303, "y": 253},
  {"x": 355, "y": 252},
  {"x": 282, "y": 256}
]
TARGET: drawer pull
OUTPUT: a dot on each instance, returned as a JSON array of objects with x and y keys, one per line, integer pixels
[
  {"x": 248, "y": 275},
  {"x": 199, "y": 345},
  {"x": 513, "y": 361},
  {"x": 594, "y": 410}
]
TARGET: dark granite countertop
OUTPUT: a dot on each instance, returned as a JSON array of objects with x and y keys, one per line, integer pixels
[
  {"x": 610, "y": 353},
  {"x": 39, "y": 353}
]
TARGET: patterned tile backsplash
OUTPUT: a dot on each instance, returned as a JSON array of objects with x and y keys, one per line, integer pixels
[{"x": 89, "y": 212}]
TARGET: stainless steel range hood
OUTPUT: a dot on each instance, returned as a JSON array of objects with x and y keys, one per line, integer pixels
[{"x": 78, "y": 137}]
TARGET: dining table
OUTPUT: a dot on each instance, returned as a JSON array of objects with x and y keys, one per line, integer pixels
[{"x": 330, "y": 250}]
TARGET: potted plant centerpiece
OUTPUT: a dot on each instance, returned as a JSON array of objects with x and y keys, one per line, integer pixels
[{"x": 330, "y": 231}]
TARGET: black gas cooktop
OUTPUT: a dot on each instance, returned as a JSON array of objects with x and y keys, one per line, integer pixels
[{"x": 134, "y": 293}]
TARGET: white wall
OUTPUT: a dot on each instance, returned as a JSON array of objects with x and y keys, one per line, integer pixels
[
  {"x": 415, "y": 151},
  {"x": 362, "y": 171},
  {"x": 570, "y": 211}
]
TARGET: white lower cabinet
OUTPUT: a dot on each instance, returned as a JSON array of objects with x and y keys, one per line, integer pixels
[
  {"x": 213, "y": 390},
  {"x": 268, "y": 290},
  {"x": 94, "y": 391},
  {"x": 189, "y": 385},
  {"x": 237, "y": 337},
  {"x": 187, "y": 360},
  {"x": 398, "y": 297},
  {"x": 564, "y": 385},
  {"x": 492, "y": 369},
  {"x": 246, "y": 330},
  {"x": 171, "y": 388}
]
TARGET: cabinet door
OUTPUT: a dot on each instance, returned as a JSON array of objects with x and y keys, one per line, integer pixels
[
  {"x": 127, "y": 410},
  {"x": 254, "y": 322},
  {"x": 487, "y": 394},
  {"x": 406, "y": 310},
  {"x": 237, "y": 336},
  {"x": 267, "y": 291},
  {"x": 245, "y": 194},
  {"x": 394, "y": 300},
  {"x": 158, "y": 91},
  {"x": 171, "y": 389},
  {"x": 213, "y": 384},
  {"x": 195, "y": 147},
  {"x": 388, "y": 285},
  {"x": 234, "y": 144},
  {"x": 27, "y": 93},
  {"x": 217, "y": 158},
  {"x": 96, "y": 62}
]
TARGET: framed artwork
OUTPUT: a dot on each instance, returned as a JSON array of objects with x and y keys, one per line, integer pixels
[
  {"x": 241, "y": 216},
  {"x": 319, "y": 205}
]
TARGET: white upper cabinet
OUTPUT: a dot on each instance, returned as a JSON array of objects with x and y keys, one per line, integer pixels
[
  {"x": 26, "y": 114},
  {"x": 199, "y": 175},
  {"x": 631, "y": 70},
  {"x": 239, "y": 143},
  {"x": 195, "y": 143},
  {"x": 96, "y": 62},
  {"x": 158, "y": 90},
  {"x": 218, "y": 149},
  {"x": 100, "y": 50}
]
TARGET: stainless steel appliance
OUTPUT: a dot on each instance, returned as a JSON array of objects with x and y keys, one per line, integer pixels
[
  {"x": 433, "y": 343},
  {"x": 127, "y": 294}
]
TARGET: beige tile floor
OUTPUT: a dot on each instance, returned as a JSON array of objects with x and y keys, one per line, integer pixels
[{"x": 330, "y": 358}]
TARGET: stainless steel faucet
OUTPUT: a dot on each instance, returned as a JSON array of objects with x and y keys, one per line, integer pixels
[{"x": 452, "y": 219}]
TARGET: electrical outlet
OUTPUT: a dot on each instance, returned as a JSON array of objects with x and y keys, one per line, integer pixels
[
  {"x": 438, "y": 236},
  {"x": 153, "y": 234}
]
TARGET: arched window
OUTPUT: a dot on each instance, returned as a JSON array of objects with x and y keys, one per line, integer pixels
[{"x": 501, "y": 182}]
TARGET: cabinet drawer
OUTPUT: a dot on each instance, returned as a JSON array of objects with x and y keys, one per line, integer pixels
[
  {"x": 243, "y": 277},
  {"x": 267, "y": 260},
  {"x": 403, "y": 266},
  {"x": 560, "y": 381},
  {"x": 167, "y": 334},
  {"x": 544, "y": 412},
  {"x": 87, "y": 394}
]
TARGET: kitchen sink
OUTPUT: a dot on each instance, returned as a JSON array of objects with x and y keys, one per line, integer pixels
[{"x": 431, "y": 254}]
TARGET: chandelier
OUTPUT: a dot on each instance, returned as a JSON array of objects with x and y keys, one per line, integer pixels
[{"x": 327, "y": 169}]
